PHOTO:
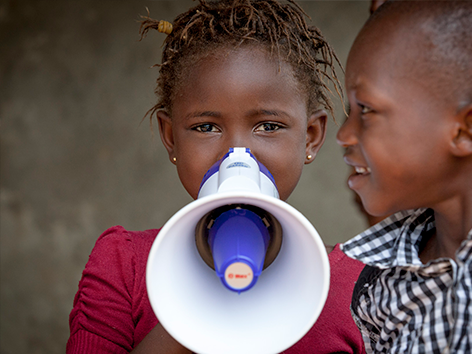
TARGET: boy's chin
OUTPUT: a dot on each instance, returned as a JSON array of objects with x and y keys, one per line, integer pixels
[{"x": 375, "y": 211}]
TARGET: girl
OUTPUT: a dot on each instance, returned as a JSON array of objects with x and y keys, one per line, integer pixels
[{"x": 234, "y": 73}]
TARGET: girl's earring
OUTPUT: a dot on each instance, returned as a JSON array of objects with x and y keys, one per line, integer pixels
[
  {"x": 309, "y": 157},
  {"x": 174, "y": 159}
]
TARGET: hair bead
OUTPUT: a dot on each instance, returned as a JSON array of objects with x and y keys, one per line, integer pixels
[{"x": 164, "y": 27}]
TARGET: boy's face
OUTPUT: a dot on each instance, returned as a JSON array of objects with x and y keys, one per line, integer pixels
[
  {"x": 395, "y": 135},
  {"x": 239, "y": 98}
]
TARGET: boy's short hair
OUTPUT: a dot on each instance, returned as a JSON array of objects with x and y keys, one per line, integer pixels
[
  {"x": 279, "y": 28},
  {"x": 445, "y": 46}
]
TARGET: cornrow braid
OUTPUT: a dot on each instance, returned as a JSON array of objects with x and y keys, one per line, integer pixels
[{"x": 281, "y": 28}]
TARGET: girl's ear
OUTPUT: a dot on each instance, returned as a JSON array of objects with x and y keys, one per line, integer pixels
[
  {"x": 315, "y": 134},
  {"x": 166, "y": 133},
  {"x": 462, "y": 142}
]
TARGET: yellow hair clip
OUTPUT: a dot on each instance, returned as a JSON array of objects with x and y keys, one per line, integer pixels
[{"x": 164, "y": 27}]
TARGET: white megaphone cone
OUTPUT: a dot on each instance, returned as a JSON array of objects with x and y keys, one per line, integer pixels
[{"x": 205, "y": 276}]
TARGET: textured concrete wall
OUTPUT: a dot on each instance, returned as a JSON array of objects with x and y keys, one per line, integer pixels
[{"x": 75, "y": 160}]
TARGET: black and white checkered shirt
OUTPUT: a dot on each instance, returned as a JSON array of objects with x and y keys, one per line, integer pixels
[{"x": 402, "y": 305}]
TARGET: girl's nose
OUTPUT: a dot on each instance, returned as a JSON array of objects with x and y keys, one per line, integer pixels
[
  {"x": 346, "y": 135},
  {"x": 239, "y": 140},
  {"x": 232, "y": 144}
]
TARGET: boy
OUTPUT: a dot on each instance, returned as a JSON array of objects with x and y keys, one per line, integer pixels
[{"x": 409, "y": 138}]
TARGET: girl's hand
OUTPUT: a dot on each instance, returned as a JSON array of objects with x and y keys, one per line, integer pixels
[{"x": 158, "y": 341}]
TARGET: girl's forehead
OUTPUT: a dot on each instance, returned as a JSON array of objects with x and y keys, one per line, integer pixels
[
  {"x": 238, "y": 62},
  {"x": 239, "y": 59},
  {"x": 235, "y": 82},
  {"x": 225, "y": 55}
]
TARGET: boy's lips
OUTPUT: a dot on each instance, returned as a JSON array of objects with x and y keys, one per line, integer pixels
[
  {"x": 358, "y": 178},
  {"x": 358, "y": 167},
  {"x": 360, "y": 171}
]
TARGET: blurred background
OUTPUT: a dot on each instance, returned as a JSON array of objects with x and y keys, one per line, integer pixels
[{"x": 76, "y": 159}]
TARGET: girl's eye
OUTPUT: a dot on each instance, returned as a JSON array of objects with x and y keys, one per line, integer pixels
[
  {"x": 268, "y": 127},
  {"x": 206, "y": 128}
]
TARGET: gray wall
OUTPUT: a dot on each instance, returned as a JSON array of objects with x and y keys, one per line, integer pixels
[{"x": 75, "y": 160}]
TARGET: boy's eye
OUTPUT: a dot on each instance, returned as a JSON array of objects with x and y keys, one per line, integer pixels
[
  {"x": 365, "y": 109},
  {"x": 206, "y": 128},
  {"x": 268, "y": 127}
]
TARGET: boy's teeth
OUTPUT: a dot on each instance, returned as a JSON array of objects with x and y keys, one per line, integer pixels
[{"x": 362, "y": 170}]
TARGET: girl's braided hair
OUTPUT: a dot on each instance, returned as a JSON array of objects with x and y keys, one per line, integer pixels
[{"x": 280, "y": 27}]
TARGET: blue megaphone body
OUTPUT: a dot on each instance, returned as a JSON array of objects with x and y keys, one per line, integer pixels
[{"x": 235, "y": 240}]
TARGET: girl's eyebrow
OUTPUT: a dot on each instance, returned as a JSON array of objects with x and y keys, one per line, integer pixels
[
  {"x": 267, "y": 112},
  {"x": 251, "y": 113},
  {"x": 203, "y": 114}
]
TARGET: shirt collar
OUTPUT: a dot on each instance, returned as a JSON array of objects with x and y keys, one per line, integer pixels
[{"x": 392, "y": 242}]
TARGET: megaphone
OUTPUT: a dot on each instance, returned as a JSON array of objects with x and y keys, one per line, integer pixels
[{"x": 237, "y": 270}]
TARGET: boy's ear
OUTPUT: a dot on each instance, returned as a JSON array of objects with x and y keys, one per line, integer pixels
[
  {"x": 462, "y": 141},
  {"x": 315, "y": 134},
  {"x": 166, "y": 133}
]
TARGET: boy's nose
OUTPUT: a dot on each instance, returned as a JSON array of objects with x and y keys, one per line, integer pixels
[{"x": 346, "y": 134}]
